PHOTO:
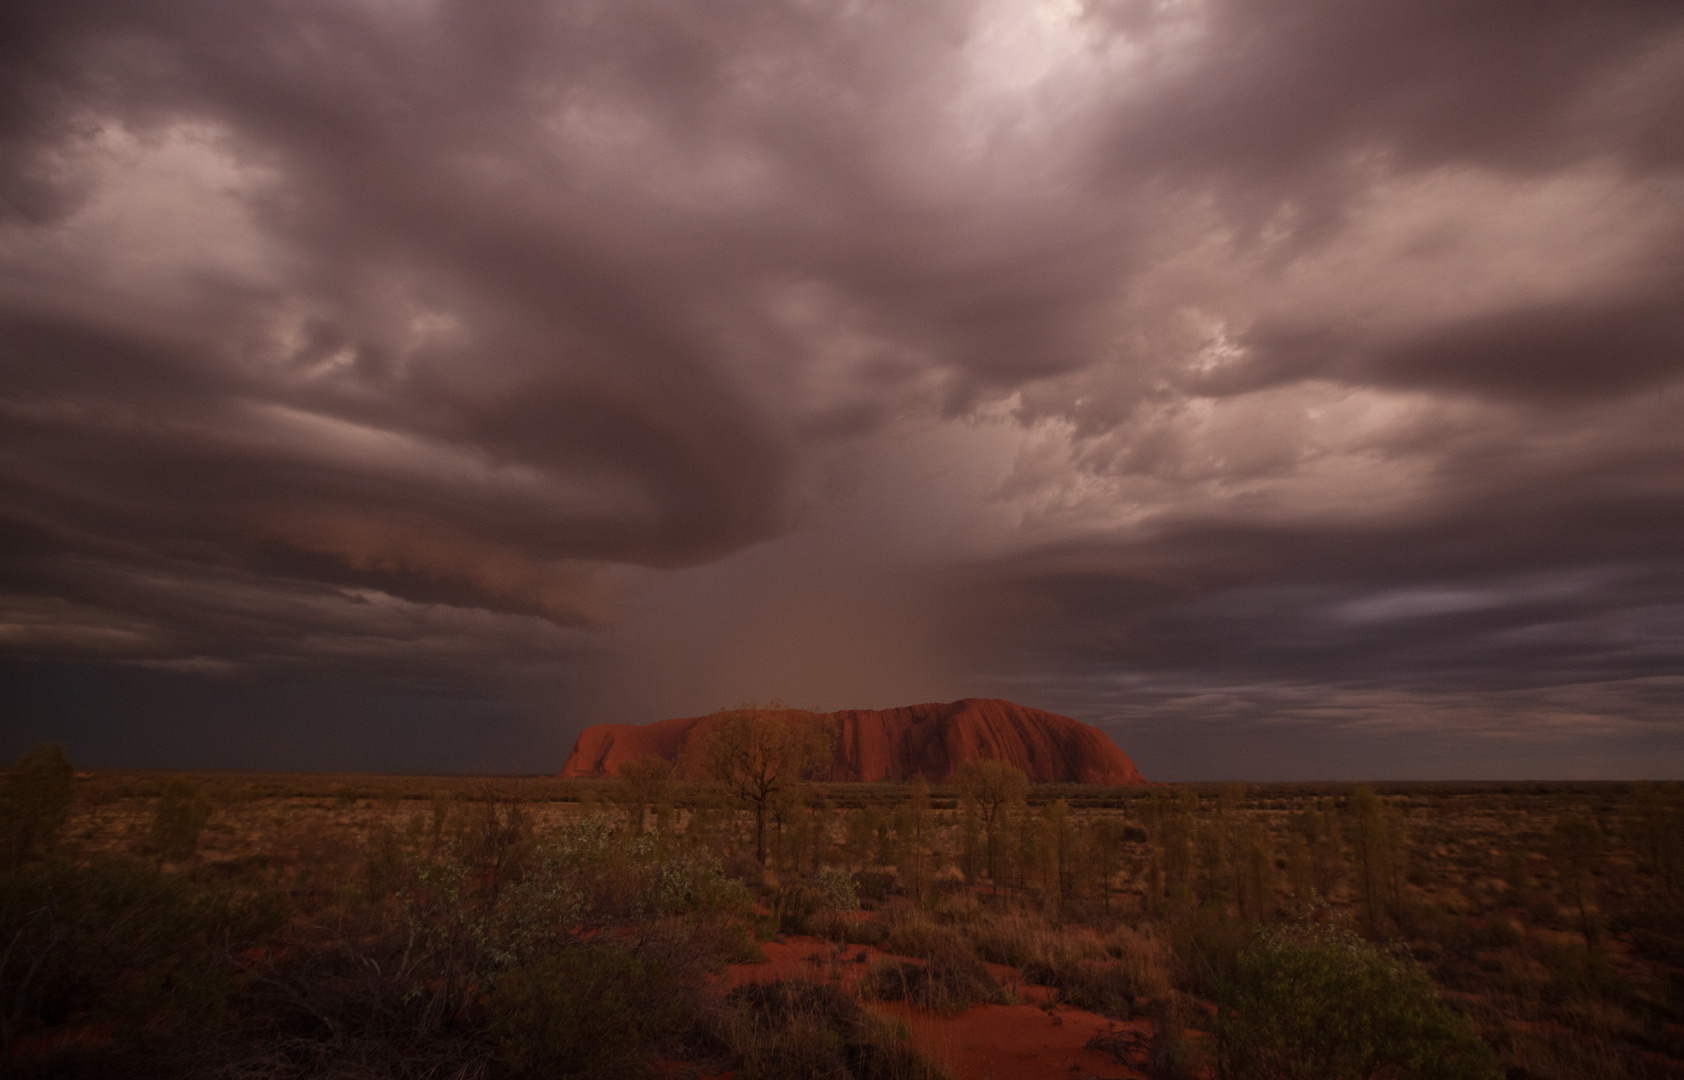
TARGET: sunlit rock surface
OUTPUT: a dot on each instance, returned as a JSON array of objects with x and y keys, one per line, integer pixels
[{"x": 900, "y": 744}]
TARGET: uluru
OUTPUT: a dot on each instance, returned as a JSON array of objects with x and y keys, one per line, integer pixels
[{"x": 928, "y": 741}]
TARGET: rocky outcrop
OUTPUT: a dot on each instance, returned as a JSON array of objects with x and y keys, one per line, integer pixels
[
  {"x": 602, "y": 747},
  {"x": 900, "y": 744}
]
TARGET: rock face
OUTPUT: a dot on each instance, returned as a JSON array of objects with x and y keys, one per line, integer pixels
[{"x": 900, "y": 744}]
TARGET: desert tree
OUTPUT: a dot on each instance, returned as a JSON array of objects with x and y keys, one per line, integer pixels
[
  {"x": 1300, "y": 883},
  {"x": 756, "y": 754},
  {"x": 35, "y": 802},
  {"x": 1021, "y": 854},
  {"x": 1170, "y": 819},
  {"x": 807, "y": 829},
  {"x": 993, "y": 788},
  {"x": 1365, "y": 829},
  {"x": 1041, "y": 843},
  {"x": 1103, "y": 840},
  {"x": 1247, "y": 854},
  {"x": 1252, "y": 859},
  {"x": 441, "y": 817},
  {"x": 1215, "y": 877},
  {"x": 706, "y": 828},
  {"x": 645, "y": 782},
  {"x": 496, "y": 839},
  {"x": 178, "y": 818},
  {"x": 1378, "y": 851},
  {"x": 859, "y": 833},
  {"x": 1576, "y": 850},
  {"x": 913, "y": 837},
  {"x": 887, "y": 846},
  {"x": 1318, "y": 826},
  {"x": 973, "y": 857},
  {"x": 783, "y": 814},
  {"x": 1058, "y": 851},
  {"x": 1655, "y": 827}
]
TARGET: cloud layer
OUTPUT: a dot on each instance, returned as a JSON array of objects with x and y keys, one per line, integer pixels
[{"x": 1213, "y": 371}]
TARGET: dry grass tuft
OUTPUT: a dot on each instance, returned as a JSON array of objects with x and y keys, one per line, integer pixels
[{"x": 802, "y": 1030}]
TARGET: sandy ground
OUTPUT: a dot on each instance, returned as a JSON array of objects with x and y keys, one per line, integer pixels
[{"x": 990, "y": 1042}]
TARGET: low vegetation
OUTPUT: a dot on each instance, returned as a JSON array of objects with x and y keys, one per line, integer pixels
[
  {"x": 807, "y": 1029},
  {"x": 244, "y": 926},
  {"x": 1315, "y": 1002}
]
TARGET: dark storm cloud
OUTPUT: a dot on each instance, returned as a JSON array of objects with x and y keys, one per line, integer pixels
[
  {"x": 1272, "y": 91},
  {"x": 1301, "y": 354},
  {"x": 570, "y": 365},
  {"x": 1547, "y": 352},
  {"x": 576, "y": 407},
  {"x": 1546, "y": 608}
]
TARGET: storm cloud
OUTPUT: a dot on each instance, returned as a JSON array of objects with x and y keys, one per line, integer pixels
[{"x": 1291, "y": 388}]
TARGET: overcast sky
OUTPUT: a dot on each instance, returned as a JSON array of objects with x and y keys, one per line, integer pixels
[{"x": 1291, "y": 388}]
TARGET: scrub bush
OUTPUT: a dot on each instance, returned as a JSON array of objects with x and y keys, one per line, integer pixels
[
  {"x": 950, "y": 980},
  {"x": 1322, "y": 1004},
  {"x": 806, "y": 1031},
  {"x": 178, "y": 819},
  {"x": 1098, "y": 986},
  {"x": 35, "y": 799},
  {"x": 118, "y": 941},
  {"x": 586, "y": 1012}
]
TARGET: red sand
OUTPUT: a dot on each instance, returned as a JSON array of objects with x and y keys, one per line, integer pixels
[
  {"x": 990, "y": 1042},
  {"x": 1017, "y": 1042},
  {"x": 805, "y": 958},
  {"x": 899, "y": 744}
]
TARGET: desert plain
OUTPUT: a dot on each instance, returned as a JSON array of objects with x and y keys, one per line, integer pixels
[{"x": 448, "y": 926}]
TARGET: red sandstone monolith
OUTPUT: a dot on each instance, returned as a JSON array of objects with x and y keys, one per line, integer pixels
[{"x": 900, "y": 744}]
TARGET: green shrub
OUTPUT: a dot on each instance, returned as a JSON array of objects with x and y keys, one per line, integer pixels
[
  {"x": 579, "y": 880},
  {"x": 1319, "y": 1003},
  {"x": 836, "y": 891},
  {"x": 34, "y": 802},
  {"x": 178, "y": 819},
  {"x": 585, "y": 1012}
]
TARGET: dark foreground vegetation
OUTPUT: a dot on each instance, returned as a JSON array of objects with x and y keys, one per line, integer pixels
[{"x": 266, "y": 926}]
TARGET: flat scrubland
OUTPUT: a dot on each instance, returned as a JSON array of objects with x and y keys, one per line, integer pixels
[{"x": 250, "y": 925}]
